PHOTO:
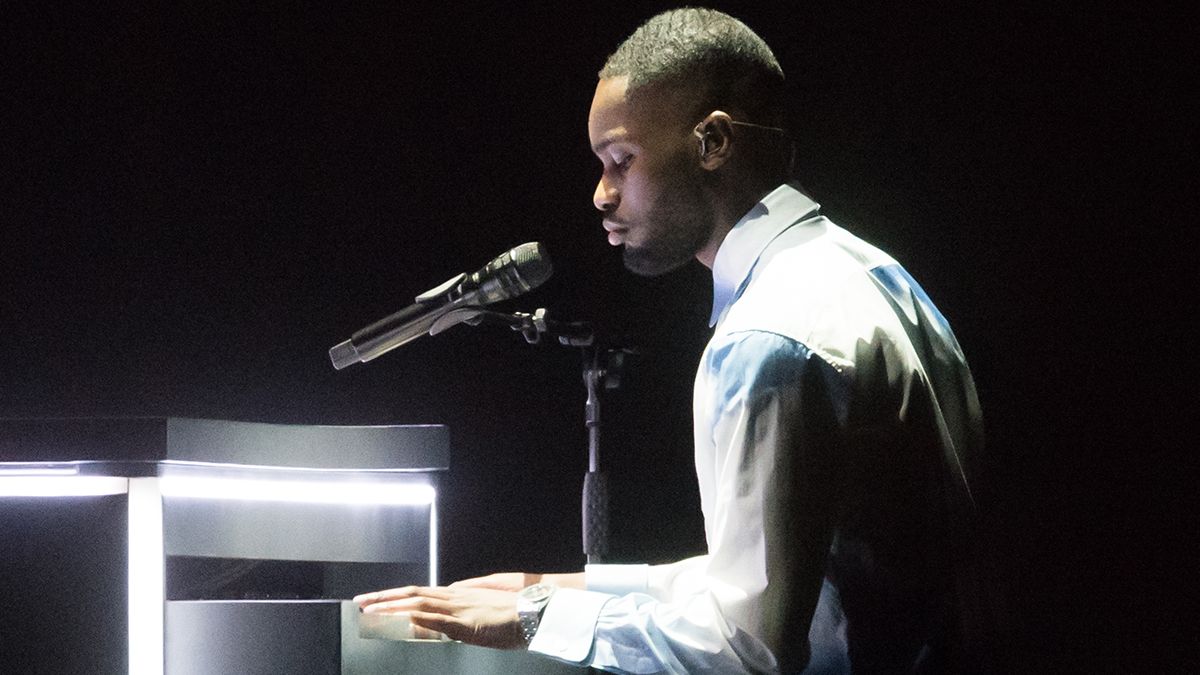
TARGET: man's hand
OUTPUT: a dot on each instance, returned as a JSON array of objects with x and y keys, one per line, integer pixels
[{"x": 479, "y": 616}]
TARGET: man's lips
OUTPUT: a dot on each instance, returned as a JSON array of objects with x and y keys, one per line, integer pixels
[{"x": 616, "y": 232}]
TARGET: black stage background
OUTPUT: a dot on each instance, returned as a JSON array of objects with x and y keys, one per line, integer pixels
[{"x": 198, "y": 201}]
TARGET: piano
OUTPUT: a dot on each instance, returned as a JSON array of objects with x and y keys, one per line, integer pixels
[{"x": 197, "y": 547}]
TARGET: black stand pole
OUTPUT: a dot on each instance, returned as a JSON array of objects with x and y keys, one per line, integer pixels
[
  {"x": 601, "y": 370},
  {"x": 595, "y": 483}
]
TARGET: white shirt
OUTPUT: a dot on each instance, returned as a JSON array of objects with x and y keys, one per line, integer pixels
[{"x": 830, "y": 403}]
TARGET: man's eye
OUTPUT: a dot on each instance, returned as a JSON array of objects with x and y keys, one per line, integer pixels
[{"x": 623, "y": 161}]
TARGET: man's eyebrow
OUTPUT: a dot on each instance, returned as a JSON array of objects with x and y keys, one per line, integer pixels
[
  {"x": 599, "y": 147},
  {"x": 609, "y": 140}
]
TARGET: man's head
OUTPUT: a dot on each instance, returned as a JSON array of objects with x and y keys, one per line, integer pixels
[
  {"x": 685, "y": 121},
  {"x": 719, "y": 62}
]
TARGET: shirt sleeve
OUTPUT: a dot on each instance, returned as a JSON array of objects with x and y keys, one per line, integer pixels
[{"x": 766, "y": 422}]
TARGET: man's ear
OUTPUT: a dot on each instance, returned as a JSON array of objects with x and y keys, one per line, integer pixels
[{"x": 715, "y": 139}]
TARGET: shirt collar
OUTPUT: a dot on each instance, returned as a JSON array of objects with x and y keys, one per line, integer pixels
[{"x": 780, "y": 209}]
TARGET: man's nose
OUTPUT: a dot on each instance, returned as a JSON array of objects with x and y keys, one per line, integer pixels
[{"x": 605, "y": 197}]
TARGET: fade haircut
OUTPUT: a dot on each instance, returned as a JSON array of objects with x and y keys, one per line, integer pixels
[{"x": 710, "y": 53}]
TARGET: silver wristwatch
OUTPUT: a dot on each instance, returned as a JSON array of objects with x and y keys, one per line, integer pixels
[{"x": 531, "y": 600}]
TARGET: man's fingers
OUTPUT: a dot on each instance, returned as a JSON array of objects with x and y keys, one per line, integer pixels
[
  {"x": 388, "y": 594},
  {"x": 416, "y": 603},
  {"x": 402, "y": 593}
]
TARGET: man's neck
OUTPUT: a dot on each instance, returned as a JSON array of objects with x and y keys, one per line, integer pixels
[{"x": 729, "y": 210}]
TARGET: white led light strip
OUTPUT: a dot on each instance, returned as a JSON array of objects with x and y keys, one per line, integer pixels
[
  {"x": 433, "y": 545},
  {"x": 147, "y": 578},
  {"x": 39, "y": 471},
  {"x": 320, "y": 492},
  {"x": 24, "y": 485}
]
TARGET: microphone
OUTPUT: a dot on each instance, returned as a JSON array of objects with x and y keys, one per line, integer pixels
[{"x": 510, "y": 274}]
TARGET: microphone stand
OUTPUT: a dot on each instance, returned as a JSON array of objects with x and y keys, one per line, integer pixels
[{"x": 602, "y": 368}]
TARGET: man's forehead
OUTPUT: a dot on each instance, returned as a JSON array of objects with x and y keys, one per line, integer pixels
[
  {"x": 617, "y": 112},
  {"x": 610, "y": 110}
]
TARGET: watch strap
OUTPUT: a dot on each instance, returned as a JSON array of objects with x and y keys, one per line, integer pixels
[{"x": 531, "y": 603}]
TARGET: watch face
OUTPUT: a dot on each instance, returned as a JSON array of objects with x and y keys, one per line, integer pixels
[{"x": 537, "y": 592}]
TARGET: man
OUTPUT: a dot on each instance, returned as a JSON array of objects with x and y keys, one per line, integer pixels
[{"x": 833, "y": 409}]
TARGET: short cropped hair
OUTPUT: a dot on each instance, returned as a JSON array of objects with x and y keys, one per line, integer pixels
[{"x": 725, "y": 63}]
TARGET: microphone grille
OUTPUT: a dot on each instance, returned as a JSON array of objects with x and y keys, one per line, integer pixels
[{"x": 532, "y": 263}]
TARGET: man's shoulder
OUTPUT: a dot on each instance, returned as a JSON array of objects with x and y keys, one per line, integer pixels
[
  {"x": 818, "y": 293},
  {"x": 820, "y": 250},
  {"x": 806, "y": 295}
]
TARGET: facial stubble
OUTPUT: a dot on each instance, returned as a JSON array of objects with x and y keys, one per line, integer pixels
[{"x": 679, "y": 224}]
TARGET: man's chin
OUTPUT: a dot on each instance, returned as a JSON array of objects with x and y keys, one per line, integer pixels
[{"x": 646, "y": 264}]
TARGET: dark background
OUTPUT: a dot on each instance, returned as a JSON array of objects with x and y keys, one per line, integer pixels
[{"x": 197, "y": 202}]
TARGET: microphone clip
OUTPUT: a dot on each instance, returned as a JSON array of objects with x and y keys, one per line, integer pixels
[
  {"x": 531, "y": 326},
  {"x": 442, "y": 290}
]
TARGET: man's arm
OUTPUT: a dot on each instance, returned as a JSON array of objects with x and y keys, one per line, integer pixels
[
  {"x": 515, "y": 581},
  {"x": 764, "y": 449},
  {"x": 480, "y": 611}
]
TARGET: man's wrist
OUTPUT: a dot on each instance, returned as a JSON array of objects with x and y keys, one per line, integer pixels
[
  {"x": 575, "y": 580},
  {"x": 531, "y": 604}
]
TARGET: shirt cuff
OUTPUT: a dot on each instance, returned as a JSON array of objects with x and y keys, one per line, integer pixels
[
  {"x": 616, "y": 579},
  {"x": 568, "y": 625}
]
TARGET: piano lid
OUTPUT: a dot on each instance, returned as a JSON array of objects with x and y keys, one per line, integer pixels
[{"x": 153, "y": 439}]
